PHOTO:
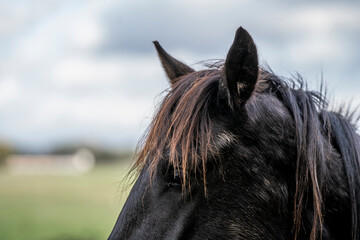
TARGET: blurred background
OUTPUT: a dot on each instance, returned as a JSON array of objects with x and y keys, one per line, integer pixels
[{"x": 79, "y": 82}]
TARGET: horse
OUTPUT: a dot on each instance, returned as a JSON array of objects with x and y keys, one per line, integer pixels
[{"x": 237, "y": 152}]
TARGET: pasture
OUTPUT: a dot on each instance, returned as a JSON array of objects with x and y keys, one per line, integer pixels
[{"x": 61, "y": 207}]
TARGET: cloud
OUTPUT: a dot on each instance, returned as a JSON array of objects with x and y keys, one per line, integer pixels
[
  {"x": 87, "y": 70},
  {"x": 84, "y": 98},
  {"x": 210, "y": 28}
]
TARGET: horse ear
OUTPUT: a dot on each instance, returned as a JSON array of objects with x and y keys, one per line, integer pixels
[
  {"x": 241, "y": 67},
  {"x": 173, "y": 67}
]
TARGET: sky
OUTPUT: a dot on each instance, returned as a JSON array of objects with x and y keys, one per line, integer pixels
[{"x": 86, "y": 71}]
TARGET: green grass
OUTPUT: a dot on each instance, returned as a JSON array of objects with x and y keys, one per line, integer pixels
[{"x": 61, "y": 207}]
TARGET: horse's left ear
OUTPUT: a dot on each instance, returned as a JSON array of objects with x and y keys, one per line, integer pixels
[
  {"x": 173, "y": 68},
  {"x": 241, "y": 67}
]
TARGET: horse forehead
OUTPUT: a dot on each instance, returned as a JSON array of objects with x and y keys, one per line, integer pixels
[
  {"x": 224, "y": 139},
  {"x": 267, "y": 108}
]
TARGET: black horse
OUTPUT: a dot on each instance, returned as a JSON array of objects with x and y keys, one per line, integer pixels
[{"x": 236, "y": 152}]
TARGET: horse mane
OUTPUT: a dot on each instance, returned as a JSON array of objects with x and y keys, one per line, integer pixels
[
  {"x": 318, "y": 132},
  {"x": 346, "y": 141},
  {"x": 181, "y": 129},
  {"x": 182, "y": 132}
]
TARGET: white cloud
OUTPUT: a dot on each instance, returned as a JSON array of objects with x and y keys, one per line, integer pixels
[
  {"x": 103, "y": 112},
  {"x": 320, "y": 18},
  {"x": 83, "y": 98},
  {"x": 319, "y": 33},
  {"x": 54, "y": 84},
  {"x": 10, "y": 90},
  {"x": 73, "y": 71},
  {"x": 86, "y": 33}
]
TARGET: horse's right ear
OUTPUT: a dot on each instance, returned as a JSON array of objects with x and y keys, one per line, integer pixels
[
  {"x": 173, "y": 68},
  {"x": 241, "y": 67}
]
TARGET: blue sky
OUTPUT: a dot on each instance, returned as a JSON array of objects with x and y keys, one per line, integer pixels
[{"x": 86, "y": 71}]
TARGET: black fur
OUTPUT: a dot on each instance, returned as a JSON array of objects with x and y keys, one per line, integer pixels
[{"x": 265, "y": 160}]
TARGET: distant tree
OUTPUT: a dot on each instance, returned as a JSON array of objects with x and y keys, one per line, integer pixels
[{"x": 5, "y": 150}]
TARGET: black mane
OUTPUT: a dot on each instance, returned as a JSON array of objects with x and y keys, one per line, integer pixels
[
  {"x": 277, "y": 162},
  {"x": 318, "y": 132}
]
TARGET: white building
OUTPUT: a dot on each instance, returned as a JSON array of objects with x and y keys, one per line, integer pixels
[{"x": 80, "y": 162}]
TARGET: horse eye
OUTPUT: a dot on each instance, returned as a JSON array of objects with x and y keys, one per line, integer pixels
[{"x": 174, "y": 179}]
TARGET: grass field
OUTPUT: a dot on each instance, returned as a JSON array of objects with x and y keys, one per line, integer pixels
[{"x": 81, "y": 207}]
